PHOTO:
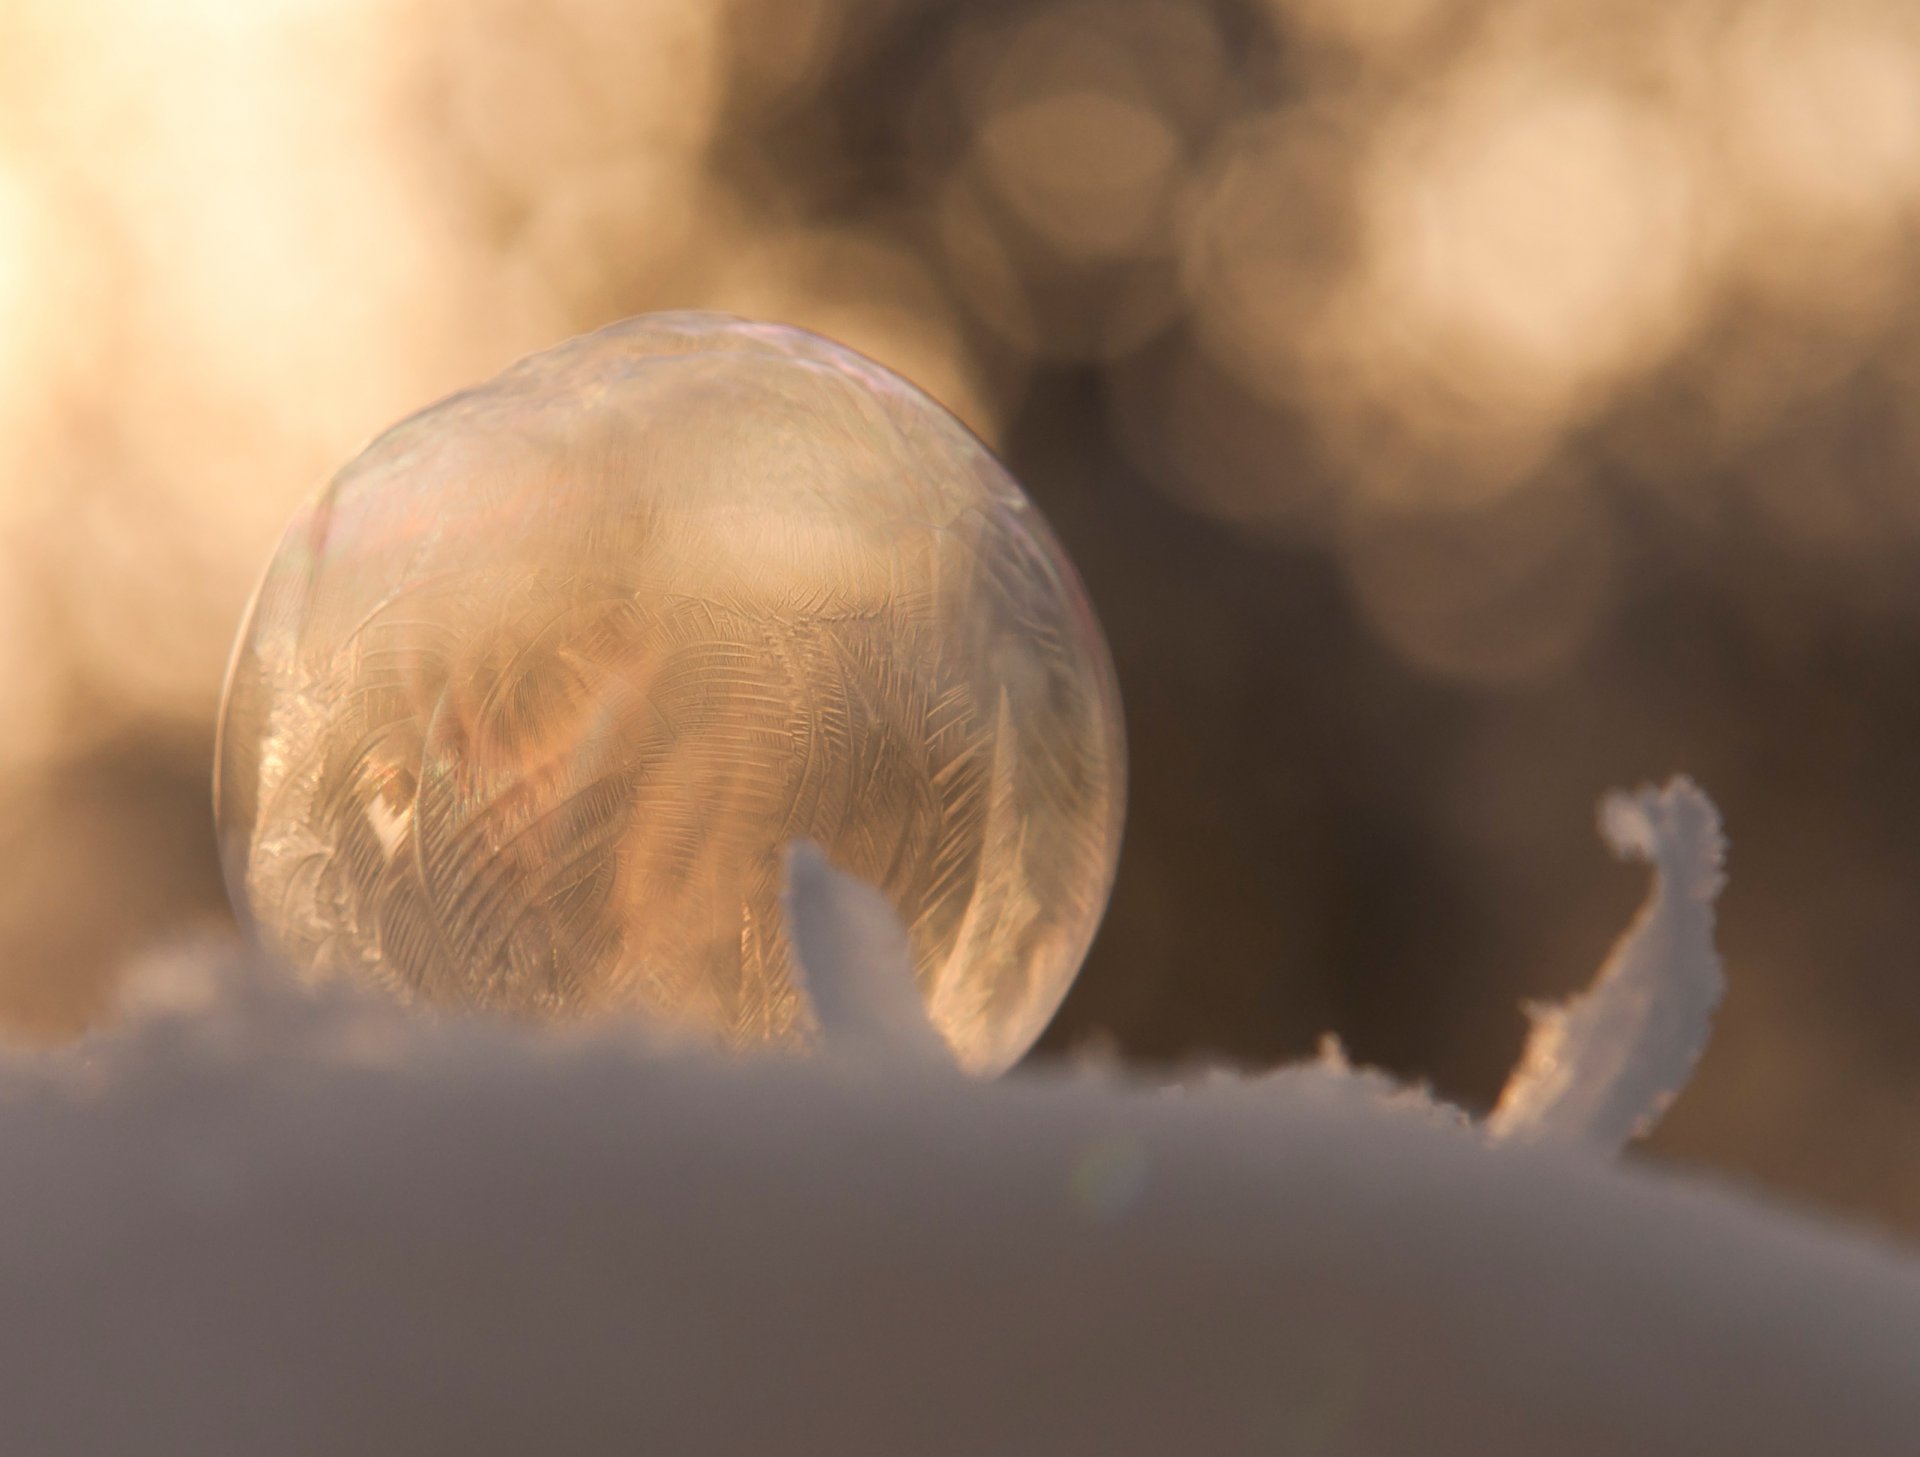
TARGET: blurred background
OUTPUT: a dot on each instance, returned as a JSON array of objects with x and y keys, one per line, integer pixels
[{"x": 1455, "y": 407}]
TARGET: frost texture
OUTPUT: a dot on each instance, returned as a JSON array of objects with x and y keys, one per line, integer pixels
[
  {"x": 1602, "y": 1068},
  {"x": 536, "y": 691},
  {"x": 854, "y": 963}
]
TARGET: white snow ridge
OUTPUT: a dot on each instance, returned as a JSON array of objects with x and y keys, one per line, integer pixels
[
  {"x": 854, "y": 964},
  {"x": 254, "y": 1219},
  {"x": 1603, "y": 1067}
]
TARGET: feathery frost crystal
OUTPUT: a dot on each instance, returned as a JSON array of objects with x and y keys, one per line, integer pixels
[{"x": 533, "y": 696}]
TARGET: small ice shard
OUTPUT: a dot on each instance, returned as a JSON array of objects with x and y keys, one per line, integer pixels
[
  {"x": 1601, "y": 1068},
  {"x": 853, "y": 962}
]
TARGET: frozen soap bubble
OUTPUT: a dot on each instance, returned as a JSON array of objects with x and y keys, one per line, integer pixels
[{"x": 534, "y": 694}]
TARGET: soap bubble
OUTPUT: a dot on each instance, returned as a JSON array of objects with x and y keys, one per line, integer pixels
[{"x": 534, "y": 694}]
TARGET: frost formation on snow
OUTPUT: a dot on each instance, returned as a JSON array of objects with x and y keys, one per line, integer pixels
[
  {"x": 257, "y": 1216},
  {"x": 854, "y": 963},
  {"x": 1602, "y": 1067},
  {"x": 1597, "y": 1071}
]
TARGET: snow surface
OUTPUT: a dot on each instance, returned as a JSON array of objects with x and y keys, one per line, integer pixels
[{"x": 259, "y": 1219}]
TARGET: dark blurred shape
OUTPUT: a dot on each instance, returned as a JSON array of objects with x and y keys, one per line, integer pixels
[
  {"x": 1457, "y": 407},
  {"x": 107, "y": 852}
]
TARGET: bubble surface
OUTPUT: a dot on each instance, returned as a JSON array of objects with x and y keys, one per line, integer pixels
[{"x": 532, "y": 696}]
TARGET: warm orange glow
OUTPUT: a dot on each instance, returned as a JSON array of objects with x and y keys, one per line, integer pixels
[
  {"x": 1529, "y": 241},
  {"x": 1822, "y": 110},
  {"x": 21, "y": 261},
  {"x": 1087, "y": 169}
]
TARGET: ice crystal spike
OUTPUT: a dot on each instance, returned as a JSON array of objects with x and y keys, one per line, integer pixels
[
  {"x": 534, "y": 694},
  {"x": 852, "y": 958},
  {"x": 1601, "y": 1069}
]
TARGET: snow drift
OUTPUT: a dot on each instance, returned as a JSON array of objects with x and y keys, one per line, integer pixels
[{"x": 256, "y": 1219}]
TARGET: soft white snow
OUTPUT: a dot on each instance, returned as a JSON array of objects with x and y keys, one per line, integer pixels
[
  {"x": 1604, "y": 1066},
  {"x": 855, "y": 965},
  {"x": 255, "y": 1219}
]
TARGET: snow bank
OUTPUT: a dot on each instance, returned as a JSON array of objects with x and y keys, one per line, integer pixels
[{"x": 257, "y": 1220}]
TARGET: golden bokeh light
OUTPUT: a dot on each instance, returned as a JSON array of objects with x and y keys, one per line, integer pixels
[
  {"x": 1529, "y": 242},
  {"x": 1088, "y": 170},
  {"x": 1270, "y": 237},
  {"x": 1502, "y": 592},
  {"x": 1379, "y": 25},
  {"x": 1822, "y": 110},
  {"x": 34, "y": 351},
  {"x": 1819, "y": 117},
  {"x": 1063, "y": 207},
  {"x": 234, "y": 237},
  {"x": 868, "y": 292}
]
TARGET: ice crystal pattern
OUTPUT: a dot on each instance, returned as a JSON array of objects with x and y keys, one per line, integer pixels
[{"x": 534, "y": 694}]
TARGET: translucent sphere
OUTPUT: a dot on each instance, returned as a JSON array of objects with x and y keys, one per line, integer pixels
[{"x": 533, "y": 695}]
